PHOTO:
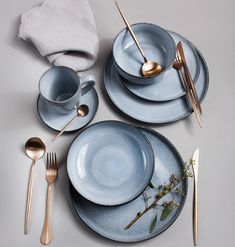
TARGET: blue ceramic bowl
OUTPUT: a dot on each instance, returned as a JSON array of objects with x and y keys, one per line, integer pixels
[
  {"x": 110, "y": 163},
  {"x": 157, "y": 44}
]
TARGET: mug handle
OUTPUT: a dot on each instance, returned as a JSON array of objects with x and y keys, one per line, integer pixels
[{"x": 87, "y": 83}]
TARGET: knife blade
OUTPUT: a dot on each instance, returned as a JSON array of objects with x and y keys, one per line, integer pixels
[
  {"x": 188, "y": 76},
  {"x": 195, "y": 158}
]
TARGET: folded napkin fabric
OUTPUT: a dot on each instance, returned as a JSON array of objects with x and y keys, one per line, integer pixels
[{"x": 63, "y": 31}]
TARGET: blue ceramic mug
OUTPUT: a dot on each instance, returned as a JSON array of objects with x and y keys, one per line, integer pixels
[{"x": 62, "y": 88}]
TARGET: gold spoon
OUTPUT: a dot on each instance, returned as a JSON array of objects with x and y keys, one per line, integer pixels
[
  {"x": 82, "y": 111},
  {"x": 35, "y": 149},
  {"x": 149, "y": 68}
]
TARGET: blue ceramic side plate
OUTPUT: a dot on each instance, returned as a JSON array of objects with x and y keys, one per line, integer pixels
[
  {"x": 111, "y": 221},
  {"x": 149, "y": 111},
  {"x": 110, "y": 163},
  {"x": 170, "y": 87},
  {"x": 57, "y": 121}
]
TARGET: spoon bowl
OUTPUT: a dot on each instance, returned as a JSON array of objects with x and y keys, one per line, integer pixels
[
  {"x": 151, "y": 68},
  {"x": 35, "y": 148},
  {"x": 82, "y": 110}
]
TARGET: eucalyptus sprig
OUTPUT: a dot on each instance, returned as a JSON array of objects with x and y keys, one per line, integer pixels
[{"x": 161, "y": 191}]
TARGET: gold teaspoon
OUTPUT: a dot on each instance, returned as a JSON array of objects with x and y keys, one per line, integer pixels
[{"x": 82, "y": 111}]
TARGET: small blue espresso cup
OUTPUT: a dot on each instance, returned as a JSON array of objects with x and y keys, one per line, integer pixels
[{"x": 62, "y": 88}]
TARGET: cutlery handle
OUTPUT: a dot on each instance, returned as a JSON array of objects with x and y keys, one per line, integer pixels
[
  {"x": 46, "y": 235},
  {"x": 190, "y": 96},
  {"x": 29, "y": 197},
  {"x": 65, "y": 128},
  {"x": 188, "y": 76},
  {"x": 131, "y": 32},
  {"x": 192, "y": 87},
  {"x": 195, "y": 214},
  {"x": 195, "y": 107}
]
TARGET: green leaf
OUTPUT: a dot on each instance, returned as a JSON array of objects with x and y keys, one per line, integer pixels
[
  {"x": 166, "y": 211},
  {"x": 153, "y": 224}
]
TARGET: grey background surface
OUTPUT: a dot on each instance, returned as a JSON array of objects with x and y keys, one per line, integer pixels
[{"x": 210, "y": 26}]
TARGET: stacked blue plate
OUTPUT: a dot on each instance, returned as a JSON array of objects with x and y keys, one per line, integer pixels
[
  {"x": 116, "y": 169},
  {"x": 113, "y": 167},
  {"x": 157, "y": 101}
]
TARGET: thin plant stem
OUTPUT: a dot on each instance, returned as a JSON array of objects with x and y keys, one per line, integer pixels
[{"x": 153, "y": 205}]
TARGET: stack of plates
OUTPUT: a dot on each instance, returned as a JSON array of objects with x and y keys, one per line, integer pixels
[
  {"x": 110, "y": 165},
  {"x": 162, "y": 101}
]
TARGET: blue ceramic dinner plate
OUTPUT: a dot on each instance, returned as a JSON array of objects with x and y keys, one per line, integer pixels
[
  {"x": 110, "y": 163},
  {"x": 111, "y": 221},
  {"x": 149, "y": 111},
  {"x": 170, "y": 87},
  {"x": 57, "y": 121}
]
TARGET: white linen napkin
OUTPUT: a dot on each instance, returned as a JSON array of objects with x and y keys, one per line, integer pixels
[{"x": 63, "y": 31}]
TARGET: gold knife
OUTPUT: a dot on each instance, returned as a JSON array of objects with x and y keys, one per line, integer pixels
[
  {"x": 195, "y": 159},
  {"x": 189, "y": 91},
  {"x": 188, "y": 75}
]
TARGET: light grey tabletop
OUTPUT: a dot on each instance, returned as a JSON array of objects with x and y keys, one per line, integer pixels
[{"x": 209, "y": 25}]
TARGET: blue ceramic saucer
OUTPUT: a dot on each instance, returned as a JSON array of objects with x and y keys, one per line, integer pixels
[
  {"x": 171, "y": 86},
  {"x": 57, "y": 121},
  {"x": 110, "y": 163},
  {"x": 110, "y": 222},
  {"x": 149, "y": 111}
]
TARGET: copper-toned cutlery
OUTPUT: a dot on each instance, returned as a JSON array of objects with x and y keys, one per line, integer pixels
[
  {"x": 51, "y": 175},
  {"x": 189, "y": 92},
  {"x": 81, "y": 111},
  {"x": 188, "y": 75},
  {"x": 35, "y": 149},
  {"x": 149, "y": 68},
  {"x": 195, "y": 159}
]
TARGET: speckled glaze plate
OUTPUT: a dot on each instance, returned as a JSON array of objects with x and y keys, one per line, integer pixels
[
  {"x": 170, "y": 87},
  {"x": 149, "y": 111},
  {"x": 110, "y": 163},
  {"x": 57, "y": 121},
  {"x": 110, "y": 222}
]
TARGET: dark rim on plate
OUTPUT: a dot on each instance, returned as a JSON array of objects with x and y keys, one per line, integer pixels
[
  {"x": 142, "y": 77},
  {"x": 68, "y": 131},
  {"x": 178, "y": 211},
  {"x": 149, "y": 147}
]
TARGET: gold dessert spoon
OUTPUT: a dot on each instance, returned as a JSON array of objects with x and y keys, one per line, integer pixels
[
  {"x": 149, "y": 68},
  {"x": 35, "y": 149}
]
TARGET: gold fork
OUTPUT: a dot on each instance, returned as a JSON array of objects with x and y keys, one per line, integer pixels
[{"x": 51, "y": 175}]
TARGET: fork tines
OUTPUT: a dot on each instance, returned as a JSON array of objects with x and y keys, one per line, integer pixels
[{"x": 51, "y": 160}]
